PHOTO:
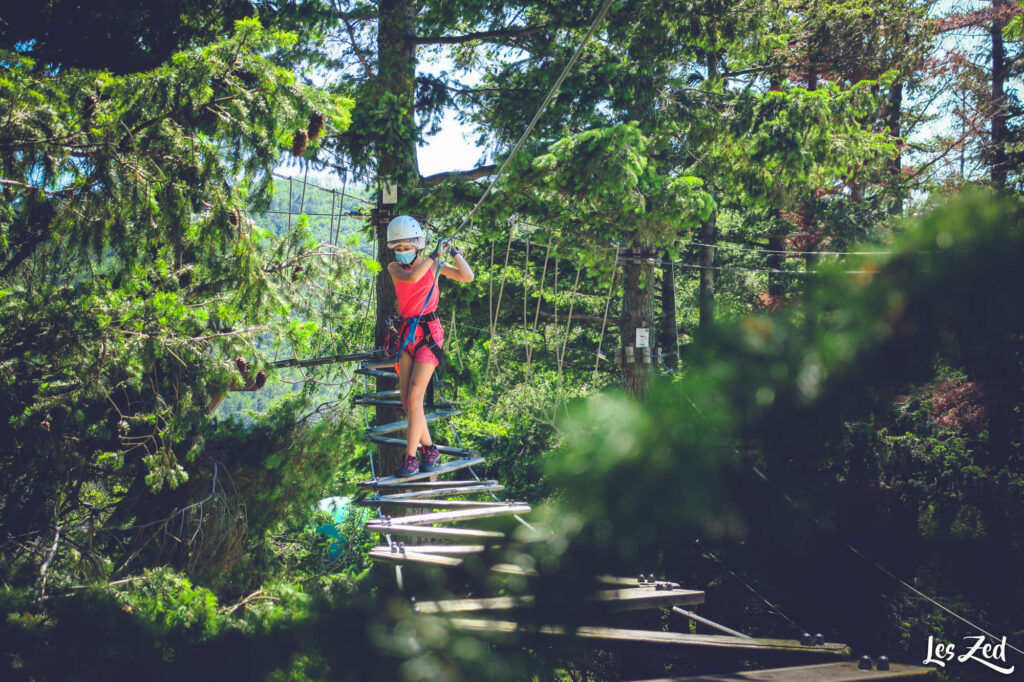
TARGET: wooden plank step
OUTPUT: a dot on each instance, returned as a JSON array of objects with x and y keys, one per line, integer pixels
[
  {"x": 425, "y": 504},
  {"x": 443, "y": 468},
  {"x": 484, "y": 487},
  {"x": 846, "y": 671},
  {"x": 616, "y": 600},
  {"x": 432, "y": 532},
  {"x": 665, "y": 641},
  {"x": 425, "y": 486},
  {"x": 473, "y": 605},
  {"x": 634, "y": 582},
  {"x": 443, "y": 449},
  {"x": 376, "y": 373},
  {"x": 396, "y": 426},
  {"x": 496, "y": 509},
  {"x": 635, "y": 598},
  {"x": 443, "y": 549},
  {"x": 394, "y": 393},
  {"x": 398, "y": 403},
  {"x": 410, "y": 557}
]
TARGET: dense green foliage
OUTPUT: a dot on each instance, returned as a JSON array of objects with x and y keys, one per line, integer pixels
[{"x": 160, "y": 475}]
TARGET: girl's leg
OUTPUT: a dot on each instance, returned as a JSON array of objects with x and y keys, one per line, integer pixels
[
  {"x": 418, "y": 431},
  {"x": 405, "y": 372}
]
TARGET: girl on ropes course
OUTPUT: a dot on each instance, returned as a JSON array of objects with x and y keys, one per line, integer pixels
[{"x": 417, "y": 290}]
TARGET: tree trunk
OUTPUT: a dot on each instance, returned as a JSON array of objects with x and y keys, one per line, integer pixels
[
  {"x": 894, "y": 119},
  {"x": 998, "y": 103},
  {"x": 397, "y": 166},
  {"x": 669, "y": 336},
  {"x": 637, "y": 312},
  {"x": 708, "y": 235}
]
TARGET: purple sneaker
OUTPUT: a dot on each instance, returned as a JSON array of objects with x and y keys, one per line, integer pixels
[
  {"x": 430, "y": 457},
  {"x": 408, "y": 467}
]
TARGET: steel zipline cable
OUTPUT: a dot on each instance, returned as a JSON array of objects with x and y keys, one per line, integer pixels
[{"x": 536, "y": 117}]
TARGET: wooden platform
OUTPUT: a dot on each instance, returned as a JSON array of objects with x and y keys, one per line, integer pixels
[
  {"x": 399, "y": 425},
  {"x": 846, "y": 671},
  {"x": 665, "y": 642},
  {"x": 443, "y": 468}
]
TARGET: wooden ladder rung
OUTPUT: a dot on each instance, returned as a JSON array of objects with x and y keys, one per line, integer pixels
[
  {"x": 443, "y": 549},
  {"x": 636, "y": 598},
  {"x": 425, "y": 486},
  {"x": 425, "y": 504},
  {"x": 496, "y": 509},
  {"x": 396, "y": 426},
  {"x": 443, "y": 449},
  {"x": 443, "y": 468},
  {"x": 399, "y": 529},
  {"x": 484, "y": 487},
  {"x": 412, "y": 557}
]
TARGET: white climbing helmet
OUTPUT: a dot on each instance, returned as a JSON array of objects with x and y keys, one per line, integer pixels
[{"x": 405, "y": 228}]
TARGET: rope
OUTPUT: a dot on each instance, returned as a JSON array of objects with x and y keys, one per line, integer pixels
[
  {"x": 501, "y": 290},
  {"x": 540, "y": 295},
  {"x": 881, "y": 568},
  {"x": 604, "y": 322},
  {"x": 568, "y": 329},
  {"x": 737, "y": 247},
  {"x": 544, "y": 105},
  {"x": 771, "y": 606}
]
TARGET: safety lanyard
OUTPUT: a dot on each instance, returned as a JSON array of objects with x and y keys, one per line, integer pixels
[{"x": 416, "y": 320}]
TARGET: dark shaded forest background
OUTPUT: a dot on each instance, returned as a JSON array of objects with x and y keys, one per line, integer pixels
[{"x": 814, "y": 208}]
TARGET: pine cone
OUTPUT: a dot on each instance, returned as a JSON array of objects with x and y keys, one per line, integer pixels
[
  {"x": 89, "y": 108},
  {"x": 236, "y": 218},
  {"x": 44, "y": 426},
  {"x": 296, "y": 271},
  {"x": 316, "y": 124},
  {"x": 299, "y": 142},
  {"x": 261, "y": 379},
  {"x": 241, "y": 364}
]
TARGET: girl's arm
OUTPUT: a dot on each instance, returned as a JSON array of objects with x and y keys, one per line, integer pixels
[
  {"x": 461, "y": 272},
  {"x": 413, "y": 274}
]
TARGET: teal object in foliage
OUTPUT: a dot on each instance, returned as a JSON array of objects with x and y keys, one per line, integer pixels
[{"x": 338, "y": 508}]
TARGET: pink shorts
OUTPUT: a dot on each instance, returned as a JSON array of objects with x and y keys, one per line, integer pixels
[{"x": 424, "y": 354}]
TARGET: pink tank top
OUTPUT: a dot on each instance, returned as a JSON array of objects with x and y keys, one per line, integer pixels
[{"x": 412, "y": 294}]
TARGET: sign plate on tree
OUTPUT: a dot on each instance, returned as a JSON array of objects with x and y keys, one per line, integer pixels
[{"x": 642, "y": 337}]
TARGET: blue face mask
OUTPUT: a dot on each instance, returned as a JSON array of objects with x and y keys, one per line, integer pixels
[{"x": 405, "y": 257}]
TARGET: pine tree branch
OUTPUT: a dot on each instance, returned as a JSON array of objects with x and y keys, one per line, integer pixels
[
  {"x": 471, "y": 174},
  {"x": 480, "y": 35}
]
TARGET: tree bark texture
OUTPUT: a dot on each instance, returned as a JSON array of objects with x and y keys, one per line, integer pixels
[
  {"x": 638, "y": 287},
  {"x": 708, "y": 235},
  {"x": 669, "y": 336},
  {"x": 998, "y": 103},
  {"x": 397, "y": 166}
]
